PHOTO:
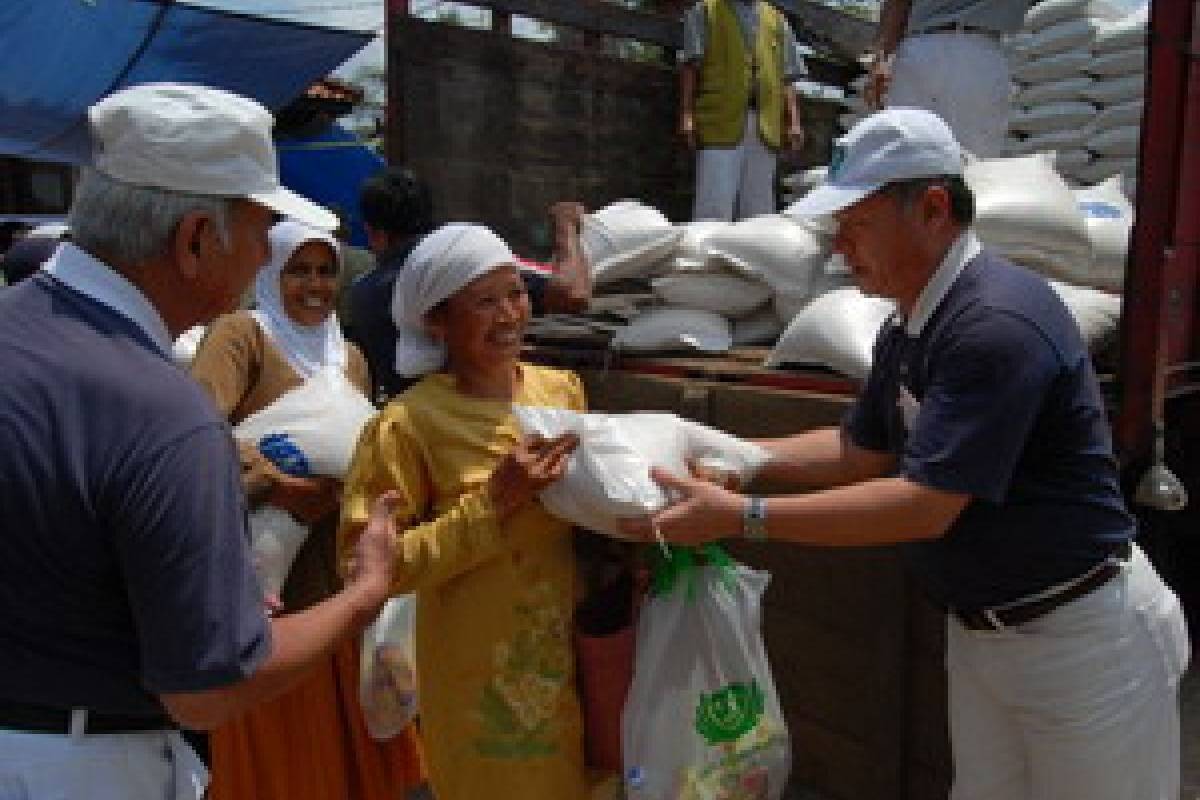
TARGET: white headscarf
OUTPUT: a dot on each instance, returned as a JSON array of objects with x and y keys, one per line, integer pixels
[
  {"x": 441, "y": 264},
  {"x": 307, "y": 348}
]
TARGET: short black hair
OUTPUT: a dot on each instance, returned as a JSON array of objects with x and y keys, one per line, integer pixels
[
  {"x": 395, "y": 200},
  {"x": 962, "y": 200}
]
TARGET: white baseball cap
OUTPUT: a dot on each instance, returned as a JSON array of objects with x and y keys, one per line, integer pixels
[
  {"x": 895, "y": 144},
  {"x": 195, "y": 139}
]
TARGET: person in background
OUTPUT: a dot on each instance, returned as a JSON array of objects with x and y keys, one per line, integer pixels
[
  {"x": 980, "y": 445},
  {"x": 312, "y": 741},
  {"x": 128, "y": 602},
  {"x": 494, "y": 573},
  {"x": 737, "y": 107},
  {"x": 397, "y": 209},
  {"x": 945, "y": 56}
]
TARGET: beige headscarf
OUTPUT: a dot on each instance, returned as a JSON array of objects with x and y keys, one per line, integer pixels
[{"x": 439, "y": 266}]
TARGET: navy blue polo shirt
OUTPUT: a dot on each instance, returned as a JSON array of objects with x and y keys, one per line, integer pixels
[
  {"x": 1003, "y": 405},
  {"x": 124, "y": 561}
]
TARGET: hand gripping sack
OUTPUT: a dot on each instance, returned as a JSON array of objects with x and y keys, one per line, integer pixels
[
  {"x": 387, "y": 669},
  {"x": 608, "y": 476},
  {"x": 702, "y": 720}
]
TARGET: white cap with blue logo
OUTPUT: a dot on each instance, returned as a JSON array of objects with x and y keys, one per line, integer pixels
[{"x": 895, "y": 144}]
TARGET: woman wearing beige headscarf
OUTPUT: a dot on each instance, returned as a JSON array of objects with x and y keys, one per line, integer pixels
[
  {"x": 494, "y": 573},
  {"x": 311, "y": 743}
]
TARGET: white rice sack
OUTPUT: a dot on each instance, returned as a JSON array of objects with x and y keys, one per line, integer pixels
[
  {"x": 1069, "y": 34},
  {"x": 675, "y": 329},
  {"x": 1119, "y": 142},
  {"x": 836, "y": 330},
  {"x": 1125, "y": 33},
  {"x": 184, "y": 348},
  {"x": 718, "y": 292},
  {"x": 607, "y": 476},
  {"x": 1052, "y": 142},
  {"x": 772, "y": 248},
  {"x": 1118, "y": 63},
  {"x": 1051, "y": 12},
  {"x": 1096, "y": 313},
  {"x": 1052, "y": 68},
  {"x": 760, "y": 328},
  {"x": 1118, "y": 116},
  {"x": 1073, "y": 88},
  {"x": 1060, "y": 116},
  {"x": 691, "y": 249},
  {"x": 1117, "y": 90},
  {"x": 1109, "y": 216},
  {"x": 322, "y": 417},
  {"x": 1025, "y": 211},
  {"x": 625, "y": 240}
]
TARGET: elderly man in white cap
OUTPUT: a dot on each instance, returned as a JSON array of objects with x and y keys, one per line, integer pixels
[
  {"x": 128, "y": 603},
  {"x": 979, "y": 444}
]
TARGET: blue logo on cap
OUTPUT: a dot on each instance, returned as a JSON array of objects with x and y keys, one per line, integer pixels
[{"x": 838, "y": 159}]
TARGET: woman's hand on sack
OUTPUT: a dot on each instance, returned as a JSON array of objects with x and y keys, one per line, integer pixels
[
  {"x": 702, "y": 512},
  {"x": 536, "y": 463},
  {"x": 370, "y": 563},
  {"x": 307, "y": 499}
]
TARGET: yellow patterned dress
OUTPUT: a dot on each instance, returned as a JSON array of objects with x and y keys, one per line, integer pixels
[{"x": 500, "y": 716}]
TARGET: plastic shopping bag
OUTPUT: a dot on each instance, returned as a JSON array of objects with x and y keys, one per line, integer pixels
[
  {"x": 387, "y": 670},
  {"x": 275, "y": 538},
  {"x": 702, "y": 720},
  {"x": 608, "y": 476}
]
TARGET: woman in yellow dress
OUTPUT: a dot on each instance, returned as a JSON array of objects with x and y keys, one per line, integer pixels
[{"x": 494, "y": 573}]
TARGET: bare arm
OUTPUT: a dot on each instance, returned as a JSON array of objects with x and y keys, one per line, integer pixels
[
  {"x": 893, "y": 18},
  {"x": 298, "y": 641},
  {"x": 688, "y": 77},
  {"x": 570, "y": 289},
  {"x": 791, "y": 108},
  {"x": 821, "y": 459},
  {"x": 874, "y": 512}
]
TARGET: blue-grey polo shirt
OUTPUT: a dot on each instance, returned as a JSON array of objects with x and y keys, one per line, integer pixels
[
  {"x": 994, "y": 396},
  {"x": 124, "y": 561}
]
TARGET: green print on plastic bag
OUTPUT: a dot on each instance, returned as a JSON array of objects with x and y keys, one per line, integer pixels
[{"x": 730, "y": 713}]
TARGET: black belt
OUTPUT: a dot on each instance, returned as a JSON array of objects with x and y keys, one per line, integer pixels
[
  {"x": 998, "y": 618},
  {"x": 32, "y": 718},
  {"x": 957, "y": 27}
]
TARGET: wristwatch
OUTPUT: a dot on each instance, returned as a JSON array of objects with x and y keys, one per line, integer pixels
[{"x": 754, "y": 519}]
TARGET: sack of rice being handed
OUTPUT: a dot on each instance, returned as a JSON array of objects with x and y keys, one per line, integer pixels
[
  {"x": 1109, "y": 217},
  {"x": 607, "y": 477},
  {"x": 772, "y": 248},
  {"x": 667, "y": 329},
  {"x": 836, "y": 330},
  {"x": 719, "y": 292},
  {"x": 760, "y": 328},
  {"x": 1025, "y": 211},
  {"x": 625, "y": 240}
]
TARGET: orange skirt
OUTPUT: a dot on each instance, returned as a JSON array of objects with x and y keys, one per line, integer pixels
[{"x": 311, "y": 743}]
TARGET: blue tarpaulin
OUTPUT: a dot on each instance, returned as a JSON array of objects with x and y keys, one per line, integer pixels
[
  {"x": 57, "y": 57},
  {"x": 330, "y": 168}
]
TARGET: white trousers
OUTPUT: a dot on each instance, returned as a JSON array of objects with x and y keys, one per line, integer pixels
[
  {"x": 154, "y": 765},
  {"x": 1081, "y": 704},
  {"x": 736, "y": 182},
  {"x": 964, "y": 79}
]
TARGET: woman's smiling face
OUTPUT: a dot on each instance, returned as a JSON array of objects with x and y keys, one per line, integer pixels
[
  {"x": 308, "y": 284},
  {"x": 483, "y": 324}
]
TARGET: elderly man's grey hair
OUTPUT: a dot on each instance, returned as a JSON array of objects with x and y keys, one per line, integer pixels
[{"x": 133, "y": 224}]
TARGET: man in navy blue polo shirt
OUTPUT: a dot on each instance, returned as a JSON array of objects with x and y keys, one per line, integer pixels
[
  {"x": 980, "y": 445},
  {"x": 128, "y": 602}
]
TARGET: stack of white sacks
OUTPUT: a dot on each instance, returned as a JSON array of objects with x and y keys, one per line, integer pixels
[
  {"x": 1079, "y": 67},
  {"x": 772, "y": 280}
]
